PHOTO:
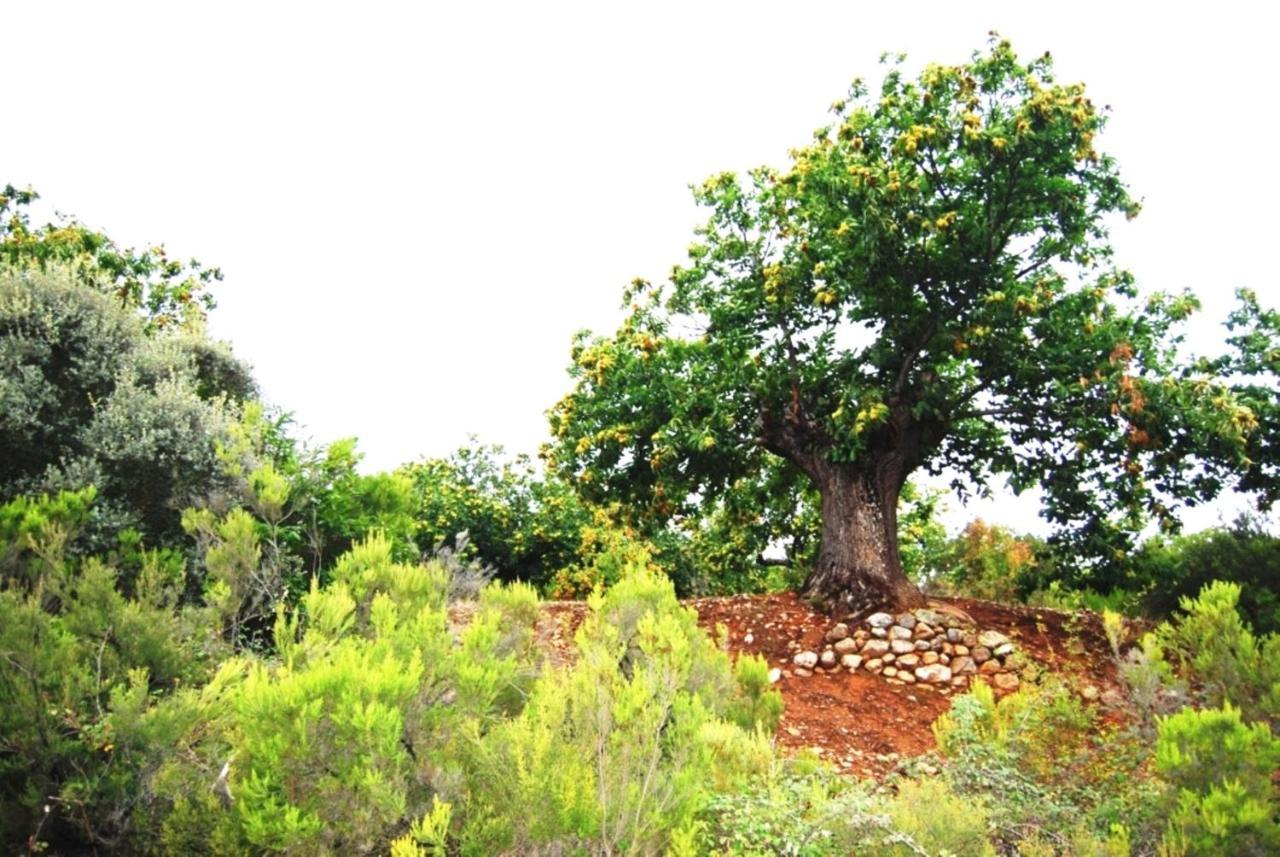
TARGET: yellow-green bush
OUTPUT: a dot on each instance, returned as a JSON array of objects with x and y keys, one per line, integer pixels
[{"x": 620, "y": 751}]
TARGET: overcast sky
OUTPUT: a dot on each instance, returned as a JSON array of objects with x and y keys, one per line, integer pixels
[{"x": 416, "y": 205}]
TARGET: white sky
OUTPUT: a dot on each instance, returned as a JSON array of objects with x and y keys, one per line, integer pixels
[{"x": 417, "y": 204}]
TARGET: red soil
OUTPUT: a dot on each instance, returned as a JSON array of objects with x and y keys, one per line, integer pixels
[{"x": 861, "y": 722}]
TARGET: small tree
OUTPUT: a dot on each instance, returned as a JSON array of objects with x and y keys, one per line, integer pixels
[{"x": 929, "y": 285}]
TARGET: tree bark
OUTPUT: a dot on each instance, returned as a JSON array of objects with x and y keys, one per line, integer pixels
[{"x": 858, "y": 567}]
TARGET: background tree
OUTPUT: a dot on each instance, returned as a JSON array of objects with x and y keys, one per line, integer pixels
[
  {"x": 163, "y": 291},
  {"x": 87, "y": 397},
  {"x": 929, "y": 285}
]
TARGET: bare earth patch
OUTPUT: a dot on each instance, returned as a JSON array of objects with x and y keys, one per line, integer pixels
[{"x": 863, "y": 723}]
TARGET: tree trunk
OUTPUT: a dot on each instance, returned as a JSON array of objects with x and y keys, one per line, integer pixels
[{"x": 858, "y": 566}]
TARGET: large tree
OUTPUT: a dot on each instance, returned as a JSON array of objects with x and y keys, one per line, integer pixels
[{"x": 928, "y": 285}]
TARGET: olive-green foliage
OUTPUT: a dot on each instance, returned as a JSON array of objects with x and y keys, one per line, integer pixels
[
  {"x": 617, "y": 753},
  {"x": 1222, "y": 769},
  {"x": 939, "y": 820},
  {"x": 80, "y": 665},
  {"x": 87, "y": 398},
  {"x": 1212, "y": 647},
  {"x": 1052, "y": 770},
  {"x": 795, "y": 807},
  {"x": 1170, "y": 569}
]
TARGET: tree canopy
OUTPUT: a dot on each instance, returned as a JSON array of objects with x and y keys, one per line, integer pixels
[{"x": 929, "y": 285}]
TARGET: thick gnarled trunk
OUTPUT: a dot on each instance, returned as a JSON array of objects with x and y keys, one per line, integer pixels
[{"x": 858, "y": 567}]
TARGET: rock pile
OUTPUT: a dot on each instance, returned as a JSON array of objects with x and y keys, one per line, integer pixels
[{"x": 924, "y": 646}]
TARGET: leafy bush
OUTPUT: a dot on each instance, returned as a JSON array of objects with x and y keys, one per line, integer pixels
[
  {"x": 82, "y": 666},
  {"x": 1213, "y": 648},
  {"x": 1222, "y": 770},
  {"x": 1055, "y": 772},
  {"x": 616, "y": 754},
  {"x": 522, "y": 523}
]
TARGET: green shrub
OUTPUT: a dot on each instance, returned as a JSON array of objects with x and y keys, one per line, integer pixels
[
  {"x": 1213, "y": 648},
  {"x": 1222, "y": 770},
  {"x": 794, "y": 808},
  {"x": 938, "y": 820},
  {"x": 82, "y": 670},
  {"x": 617, "y": 753},
  {"x": 1041, "y": 751}
]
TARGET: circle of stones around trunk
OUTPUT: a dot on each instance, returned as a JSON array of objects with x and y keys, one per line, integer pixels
[{"x": 925, "y": 646}]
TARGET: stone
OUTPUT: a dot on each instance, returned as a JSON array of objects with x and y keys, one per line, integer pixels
[
  {"x": 906, "y": 677},
  {"x": 889, "y": 658},
  {"x": 929, "y": 617},
  {"x": 955, "y": 635},
  {"x": 803, "y": 673},
  {"x": 970, "y": 640},
  {"x": 924, "y": 632},
  {"x": 749, "y": 638},
  {"x": 959, "y": 649},
  {"x": 879, "y": 632},
  {"x": 990, "y": 668},
  {"x": 934, "y": 673},
  {"x": 875, "y": 648},
  {"x": 879, "y": 620},
  {"x": 948, "y": 649},
  {"x": 1090, "y": 693},
  {"x": 838, "y": 632},
  {"x": 982, "y": 654},
  {"x": 908, "y": 661},
  {"x": 961, "y": 665},
  {"x": 902, "y": 647},
  {"x": 874, "y": 665},
  {"x": 897, "y": 632},
  {"x": 890, "y": 672},
  {"x": 861, "y": 635},
  {"x": 827, "y": 658},
  {"x": 851, "y": 662},
  {"x": 959, "y": 681},
  {"x": 1006, "y": 681},
  {"x": 923, "y": 646},
  {"x": 775, "y": 675},
  {"x": 944, "y": 659},
  {"x": 846, "y": 646},
  {"x": 991, "y": 639},
  {"x": 929, "y": 658},
  {"x": 806, "y": 660},
  {"x": 906, "y": 620}
]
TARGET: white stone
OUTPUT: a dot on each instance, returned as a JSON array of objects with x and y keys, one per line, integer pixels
[
  {"x": 879, "y": 620},
  {"x": 901, "y": 647},
  {"x": 875, "y": 648},
  {"x": 775, "y": 675},
  {"x": 991, "y": 639},
  {"x": 897, "y": 632},
  {"x": 934, "y": 673},
  {"x": 851, "y": 662},
  {"x": 806, "y": 660}
]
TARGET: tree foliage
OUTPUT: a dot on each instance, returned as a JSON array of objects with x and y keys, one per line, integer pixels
[
  {"x": 165, "y": 292},
  {"x": 929, "y": 284}
]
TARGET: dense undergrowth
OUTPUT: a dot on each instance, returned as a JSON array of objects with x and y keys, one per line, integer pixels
[{"x": 359, "y": 720}]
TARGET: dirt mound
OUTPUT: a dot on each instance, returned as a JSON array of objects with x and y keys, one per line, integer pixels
[{"x": 861, "y": 722}]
